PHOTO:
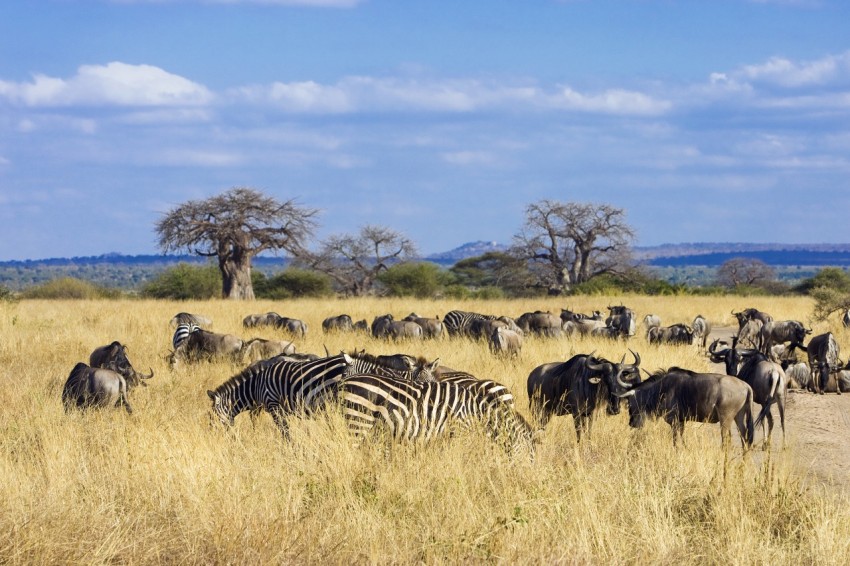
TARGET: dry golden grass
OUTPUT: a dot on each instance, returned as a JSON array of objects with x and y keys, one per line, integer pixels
[{"x": 163, "y": 486}]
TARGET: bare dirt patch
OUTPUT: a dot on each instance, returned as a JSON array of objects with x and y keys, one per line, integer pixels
[{"x": 818, "y": 432}]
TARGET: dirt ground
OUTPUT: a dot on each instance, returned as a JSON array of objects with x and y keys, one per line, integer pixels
[{"x": 818, "y": 433}]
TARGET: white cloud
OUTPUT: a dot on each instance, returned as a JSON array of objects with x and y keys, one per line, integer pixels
[
  {"x": 786, "y": 73},
  {"x": 372, "y": 94},
  {"x": 614, "y": 101},
  {"x": 476, "y": 158},
  {"x": 114, "y": 84}
]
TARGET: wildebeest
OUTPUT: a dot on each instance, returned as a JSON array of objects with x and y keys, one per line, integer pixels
[
  {"x": 823, "y": 352},
  {"x": 576, "y": 387},
  {"x": 114, "y": 356},
  {"x": 750, "y": 334},
  {"x": 621, "y": 319},
  {"x": 203, "y": 345},
  {"x": 385, "y": 326},
  {"x": 651, "y": 321},
  {"x": 541, "y": 323},
  {"x": 362, "y": 325},
  {"x": 264, "y": 319},
  {"x": 258, "y": 349},
  {"x": 189, "y": 318},
  {"x": 752, "y": 314},
  {"x": 95, "y": 387},
  {"x": 678, "y": 395},
  {"x": 781, "y": 332},
  {"x": 339, "y": 323},
  {"x": 770, "y": 387},
  {"x": 675, "y": 334},
  {"x": 702, "y": 328},
  {"x": 504, "y": 341},
  {"x": 431, "y": 327}
]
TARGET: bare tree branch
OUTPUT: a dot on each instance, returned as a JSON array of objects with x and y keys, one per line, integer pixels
[{"x": 235, "y": 226}]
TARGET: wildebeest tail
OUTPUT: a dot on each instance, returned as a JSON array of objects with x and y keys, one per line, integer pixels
[
  {"x": 774, "y": 385},
  {"x": 748, "y": 417}
]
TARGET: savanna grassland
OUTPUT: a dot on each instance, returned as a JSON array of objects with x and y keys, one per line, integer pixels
[{"x": 165, "y": 486}]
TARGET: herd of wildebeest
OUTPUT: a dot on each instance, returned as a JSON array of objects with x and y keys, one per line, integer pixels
[{"x": 417, "y": 398}]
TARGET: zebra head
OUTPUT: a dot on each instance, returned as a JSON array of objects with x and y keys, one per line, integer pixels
[{"x": 222, "y": 406}]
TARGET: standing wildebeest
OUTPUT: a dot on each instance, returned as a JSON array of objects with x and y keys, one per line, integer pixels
[
  {"x": 539, "y": 322},
  {"x": 264, "y": 319},
  {"x": 258, "y": 349},
  {"x": 769, "y": 384},
  {"x": 205, "y": 345},
  {"x": 823, "y": 355},
  {"x": 622, "y": 319},
  {"x": 189, "y": 318},
  {"x": 340, "y": 323},
  {"x": 505, "y": 341},
  {"x": 431, "y": 327},
  {"x": 292, "y": 325},
  {"x": 577, "y": 386},
  {"x": 95, "y": 387},
  {"x": 781, "y": 332},
  {"x": 752, "y": 314},
  {"x": 702, "y": 328},
  {"x": 678, "y": 395},
  {"x": 114, "y": 356},
  {"x": 751, "y": 335},
  {"x": 385, "y": 326},
  {"x": 651, "y": 321},
  {"x": 675, "y": 334}
]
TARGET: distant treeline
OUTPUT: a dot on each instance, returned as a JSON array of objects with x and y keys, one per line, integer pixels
[{"x": 772, "y": 257}]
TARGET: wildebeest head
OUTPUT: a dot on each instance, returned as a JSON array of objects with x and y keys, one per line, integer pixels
[
  {"x": 618, "y": 377},
  {"x": 114, "y": 356}
]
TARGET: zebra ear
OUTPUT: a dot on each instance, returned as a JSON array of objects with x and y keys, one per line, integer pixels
[
  {"x": 433, "y": 365},
  {"x": 211, "y": 394}
]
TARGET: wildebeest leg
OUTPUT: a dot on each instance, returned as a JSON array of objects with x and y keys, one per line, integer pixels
[
  {"x": 678, "y": 427},
  {"x": 741, "y": 421},
  {"x": 582, "y": 423},
  {"x": 122, "y": 400}
]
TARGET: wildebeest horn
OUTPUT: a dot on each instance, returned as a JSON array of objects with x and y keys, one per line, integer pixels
[
  {"x": 636, "y": 356},
  {"x": 150, "y": 375}
]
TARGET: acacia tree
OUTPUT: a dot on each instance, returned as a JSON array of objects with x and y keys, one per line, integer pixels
[
  {"x": 570, "y": 243},
  {"x": 234, "y": 227},
  {"x": 744, "y": 271},
  {"x": 354, "y": 261}
]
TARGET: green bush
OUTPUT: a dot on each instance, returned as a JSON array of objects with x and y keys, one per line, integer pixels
[
  {"x": 185, "y": 281},
  {"x": 421, "y": 280},
  {"x": 6, "y": 295},
  {"x": 290, "y": 283},
  {"x": 828, "y": 278},
  {"x": 69, "y": 288}
]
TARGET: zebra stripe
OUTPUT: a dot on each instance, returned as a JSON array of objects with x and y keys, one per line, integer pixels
[
  {"x": 457, "y": 322},
  {"x": 182, "y": 332},
  {"x": 420, "y": 371},
  {"x": 422, "y": 410},
  {"x": 280, "y": 387}
]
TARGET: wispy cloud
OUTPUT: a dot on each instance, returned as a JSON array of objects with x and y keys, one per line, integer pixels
[{"x": 113, "y": 84}]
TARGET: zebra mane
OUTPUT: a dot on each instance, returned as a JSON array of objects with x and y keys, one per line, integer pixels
[{"x": 241, "y": 377}]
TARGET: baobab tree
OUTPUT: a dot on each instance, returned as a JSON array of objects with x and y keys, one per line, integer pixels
[
  {"x": 234, "y": 227},
  {"x": 354, "y": 261},
  {"x": 570, "y": 243}
]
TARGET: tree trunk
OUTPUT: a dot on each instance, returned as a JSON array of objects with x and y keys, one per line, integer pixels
[{"x": 236, "y": 277}]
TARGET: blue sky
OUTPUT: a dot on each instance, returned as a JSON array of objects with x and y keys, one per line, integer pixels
[{"x": 721, "y": 120}]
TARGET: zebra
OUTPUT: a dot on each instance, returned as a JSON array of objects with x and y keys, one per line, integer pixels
[
  {"x": 412, "y": 410},
  {"x": 400, "y": 366},
  {"x": 183, "y": 330},
  {"x": 457, "y": 323},
  {"x": 281, "y": 387}
]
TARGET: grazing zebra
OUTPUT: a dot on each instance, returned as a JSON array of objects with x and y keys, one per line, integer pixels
[
  {"x": 280, "y": 387},
  {"x": 184, "y": 329},
  {"x": 400, "y": 366},
  {"x": 423, "y": 410}
]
